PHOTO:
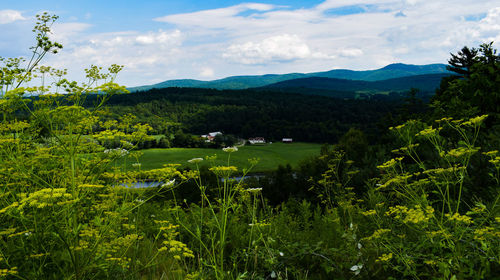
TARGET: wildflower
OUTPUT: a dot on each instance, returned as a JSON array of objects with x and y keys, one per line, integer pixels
[
  {"x": 223, "y": 171},
  {"x": 428, "y": 132},
  {"x": 369, "y": 213},
  {"x": 384, "y": 257},
  {"x": 409, "y": 215},
  {"x": 396, "y": 180},
  {"x": 168, "y": 184},
  {"x": 486, "y": 233},
  {"x": 91, "y": 186},
  {"x": 195, "y": 160},
  {"x": 495, "y": 161},
  {"x": 253, "y": 161},
  {"x": 39, "y": 255},
  {"x": 378, "y": 233},
  {"x": 430, "y": 262},
  {"x": 459, "y": 152},
  {"x": 356, "y": 268},
  {"x": 214, "y": 157},
  {"x": 254, "y": 190},
  {"x": 479, "y": 208},
  {"x": 390, "y": 163},
  {"x": 491, "y": 153},
  {"x": 116, "y": 152},
  {"x": 459, "y": 218},
  {"x": 380, "y": 204},
  {"x": 475, "y": 121},
  {"x": 230, "y": 149}
]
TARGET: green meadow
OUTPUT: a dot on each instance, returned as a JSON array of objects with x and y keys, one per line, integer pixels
[{"x": 269, "y": 155}]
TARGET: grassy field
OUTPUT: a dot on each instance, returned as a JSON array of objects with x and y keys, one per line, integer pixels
[{"x": 270, "y": 155}]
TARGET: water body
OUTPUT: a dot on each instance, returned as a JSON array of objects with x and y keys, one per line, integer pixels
[
  {"x": 155, "y": 184},
  {"x": 140, "y": 185}
]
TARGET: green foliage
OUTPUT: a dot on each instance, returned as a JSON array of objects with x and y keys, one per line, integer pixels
[
  {"x": 430, "y": 212},
  {"x": 477, "y": 92}
]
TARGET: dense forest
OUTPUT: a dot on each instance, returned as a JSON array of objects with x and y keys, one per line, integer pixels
[
  {"x": 250, "y": 113},
  {"x": 403, "y": 189}
]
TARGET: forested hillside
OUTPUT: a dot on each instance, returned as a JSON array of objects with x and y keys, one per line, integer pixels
[{"x": 248, "y": 113}]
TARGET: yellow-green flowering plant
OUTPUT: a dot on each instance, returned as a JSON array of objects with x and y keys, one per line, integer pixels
[
  {"x": 64, "y": 213},
  {"x": 424, "y": 227}
]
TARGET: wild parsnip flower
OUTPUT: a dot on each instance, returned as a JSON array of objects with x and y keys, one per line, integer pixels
[
  {"x": 459, "y": 218},
  {"x": 253, "y": 161},
  {"x": 214, "y": 157},
  {"x": 411, "y": 215},
  {"x": 378, "y": 233},
  {"x": 444, "y": 120},
  {"x": 224, "y": 171},
  {"x": 8, "y": 231},
  {"x": 8, "y": 271},
  {"x": 195, "y": 160},
  {"x": 475, "y": 121},
  {"x": 39, "y": 255},
  {"x": 177, "y": 248},
  {"x": 391, "y": 163},
  {"x": 259, "y": 224},
  {"x": 45, "y": 198},
  {"x": 430, "y": 262},
  {"x": 491, "y": 153},
  {"x": 384, "y": 258},
  {"x": 254, "y": 190},
  {"x": 494, "y": 161},
  {"x": 399, "y": 179},
  {"x": 369, "y": 213},
  {"x": 91, "y": 186},
  {"x": 486, "y": 233},
  {"x": 230, "y": 149},
  {"x": 428, "y": 132},
  {"x": 461, "y": 151}
]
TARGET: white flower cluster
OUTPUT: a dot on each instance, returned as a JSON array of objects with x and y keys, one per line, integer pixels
[
  {"x": 116, "y": 152},
  {"x": 230, "y": 149},
  {"x": 254, "y": 190},
  {"x": 168, "y": 184},
  {"x": 195, "y": 160}
]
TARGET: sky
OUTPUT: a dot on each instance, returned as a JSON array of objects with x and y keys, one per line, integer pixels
[{"x": 159, "y": 40}]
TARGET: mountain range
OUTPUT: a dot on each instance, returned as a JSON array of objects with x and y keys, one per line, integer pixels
[{"x": 393, "y": 77}]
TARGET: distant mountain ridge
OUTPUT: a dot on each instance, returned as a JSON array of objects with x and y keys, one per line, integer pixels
[
  {"x": 423, "y": 82},
  {"x": 391, "y": 71}
]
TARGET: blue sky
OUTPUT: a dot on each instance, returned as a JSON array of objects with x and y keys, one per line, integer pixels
[{"x": 161, "y": 40}]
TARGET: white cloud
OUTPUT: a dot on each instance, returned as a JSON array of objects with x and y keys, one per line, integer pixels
[
  {"x": 8, "y": 16},
  {"x": 353, "y": 52},
  {"x": 207, "y": 72},
  {"x": 65, "y": 32},
  {"x": 160, "y": 37},
  {"x": 219, "y": 18},
  {"x": 145, "y": 56},
  {"x": 277, "y": 48}
]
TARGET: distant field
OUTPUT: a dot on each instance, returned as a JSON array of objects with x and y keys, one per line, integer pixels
[{"x": 270, "y": 155}]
